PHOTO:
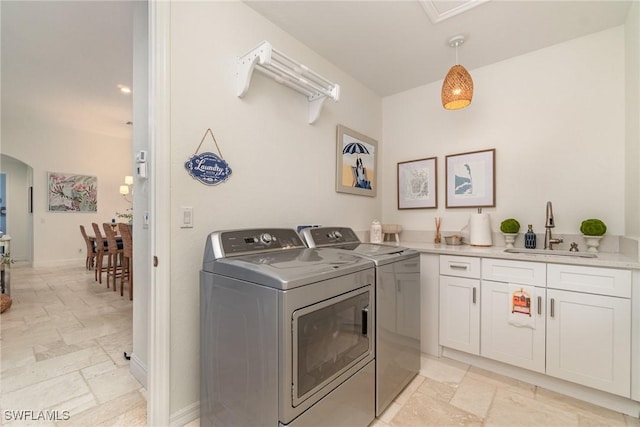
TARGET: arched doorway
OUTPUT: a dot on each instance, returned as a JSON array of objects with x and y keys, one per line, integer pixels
[{"x": 18, "y": 203}]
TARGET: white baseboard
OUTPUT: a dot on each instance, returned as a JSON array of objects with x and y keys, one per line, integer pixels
[
  {"x": 138, "y": 370},
  {"x": 185, "y": 415},
  {"x": 59, "y": 263}
]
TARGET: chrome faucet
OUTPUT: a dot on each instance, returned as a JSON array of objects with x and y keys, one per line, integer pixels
[{"x": 549, "y": 224}]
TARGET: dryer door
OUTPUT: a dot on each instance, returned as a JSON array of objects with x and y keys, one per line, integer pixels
[{"x": 328, "y": 339}]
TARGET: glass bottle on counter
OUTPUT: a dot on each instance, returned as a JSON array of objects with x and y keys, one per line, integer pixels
[
  {"x": 375, "y": 233},
  {"x": 530, "y": 238}
]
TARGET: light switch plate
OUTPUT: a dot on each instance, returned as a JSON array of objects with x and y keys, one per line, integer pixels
[{"x": 186, "y": 215}]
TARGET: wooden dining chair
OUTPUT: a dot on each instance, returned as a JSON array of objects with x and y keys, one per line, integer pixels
[
  {"x": 114, "y": 257},
  {"x": 101, "y": 246},
  {"x": 127, "y": 252},
  {"x": 91, "y": 250}
]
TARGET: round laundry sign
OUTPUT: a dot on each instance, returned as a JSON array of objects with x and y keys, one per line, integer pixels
[{"x": 208, "y": 168}]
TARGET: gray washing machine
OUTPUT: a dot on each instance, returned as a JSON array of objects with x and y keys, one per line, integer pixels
[
  {"x": 286, "y": 332},
  {"x": 397, "y": 306}
]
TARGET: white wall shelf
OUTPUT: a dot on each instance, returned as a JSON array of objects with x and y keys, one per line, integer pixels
[{"x": 288, "y": 72}]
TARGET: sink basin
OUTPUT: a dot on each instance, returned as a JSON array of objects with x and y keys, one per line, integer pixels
[{"x": 548, "y": 252}]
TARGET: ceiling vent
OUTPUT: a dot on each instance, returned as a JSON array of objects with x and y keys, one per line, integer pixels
[{"x": 439, "y": 11}]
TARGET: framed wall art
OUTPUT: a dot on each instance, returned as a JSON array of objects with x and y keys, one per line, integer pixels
[
  {"x": 417, "y": 184},
  {"x": 72, "y": 193},
  {"x": 471, "y": 180},
  {"x": 356, "y": 163}
]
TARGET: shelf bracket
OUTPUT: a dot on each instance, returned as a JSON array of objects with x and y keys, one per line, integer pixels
[
  {"x": 288, "y": 72},
  {"x": 246, "y": 65}
]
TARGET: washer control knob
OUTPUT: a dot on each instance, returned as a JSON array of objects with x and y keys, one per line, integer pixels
[
  {"x": 336, "y": 235},
  {"x": 266, "y": 238}
]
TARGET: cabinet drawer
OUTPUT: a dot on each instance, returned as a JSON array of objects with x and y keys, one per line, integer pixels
[
  {"x": 519, "y": 272},
  {"x": 592, "y": 280},
  {"x": 460, "y": 266}
]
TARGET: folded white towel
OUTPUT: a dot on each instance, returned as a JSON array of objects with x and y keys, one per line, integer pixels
[{"x": 521, "y": 312}]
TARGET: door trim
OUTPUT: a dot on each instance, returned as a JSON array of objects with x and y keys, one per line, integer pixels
[{"x": 159, "y": 397}]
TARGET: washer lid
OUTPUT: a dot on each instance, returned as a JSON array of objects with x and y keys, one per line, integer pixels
[
  {"x": 345, "y": 238},
  {"x": 289, "y": 268},
  {"x": 373, "y": 249}
]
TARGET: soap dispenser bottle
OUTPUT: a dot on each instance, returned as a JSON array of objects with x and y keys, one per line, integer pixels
[{"x": 530, "y": 238}]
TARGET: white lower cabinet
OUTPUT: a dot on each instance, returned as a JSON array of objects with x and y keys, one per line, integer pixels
[
  {"x": 581, "y": 329},
  {"x": 459, "y": 326},
  {"x": 503, "y": 341},
  {"x": 589, "y": 337},
  {"x": 460, "y": 313}
]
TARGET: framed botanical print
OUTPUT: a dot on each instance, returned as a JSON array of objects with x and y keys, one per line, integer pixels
[
  {"x": 72, "y": 193},
  {"x": 417, "y": 184}
]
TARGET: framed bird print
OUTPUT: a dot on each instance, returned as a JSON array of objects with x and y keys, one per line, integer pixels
[
  {"x": 356, "y": 163},
  {"x": 471, "y": 179}
]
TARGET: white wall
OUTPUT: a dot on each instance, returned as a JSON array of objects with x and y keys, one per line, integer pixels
[
  {"x": 49, "y": 148},
  {"x": 632, "y": 155},
  {"x": 283, "y": 168},
  {"x": 556, "y": 118}
]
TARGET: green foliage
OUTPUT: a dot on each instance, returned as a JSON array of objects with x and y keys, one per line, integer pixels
[
  {"x": 593, "y": 227},
  {"x": 510, "y": 225},
  {"x": 127, "y": 215},
  {"x": 6, "y": 258}
]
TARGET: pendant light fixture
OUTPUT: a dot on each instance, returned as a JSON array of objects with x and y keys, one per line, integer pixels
[{"x": 457, "y": 88}]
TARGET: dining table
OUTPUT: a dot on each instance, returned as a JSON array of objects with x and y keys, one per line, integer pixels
[{"x": 94, "y": 240}]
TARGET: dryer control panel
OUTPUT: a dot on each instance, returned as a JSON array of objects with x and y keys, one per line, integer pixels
[{"x": 242, "y": 242}]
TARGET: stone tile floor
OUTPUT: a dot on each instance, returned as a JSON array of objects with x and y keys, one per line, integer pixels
[
  {"x": 450, "y": 393},
  {"x": 62, "y": 345},
  {"x": 62, "y": 352}
]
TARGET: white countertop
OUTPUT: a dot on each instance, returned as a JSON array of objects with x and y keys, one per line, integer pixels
[{"x": 603, "y": 259}]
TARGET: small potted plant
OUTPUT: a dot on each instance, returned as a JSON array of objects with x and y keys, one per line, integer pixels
[
  {"x": 509, "y": 228},
  {"x": 593, "y": 230}
]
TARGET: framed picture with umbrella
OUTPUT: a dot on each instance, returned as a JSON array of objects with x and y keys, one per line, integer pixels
[{"x": 356, "y": 165}]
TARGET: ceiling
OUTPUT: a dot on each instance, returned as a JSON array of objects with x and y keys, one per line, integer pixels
[
  {"x": 63, "y": 60},
  {"x": 392, "y": 46}
]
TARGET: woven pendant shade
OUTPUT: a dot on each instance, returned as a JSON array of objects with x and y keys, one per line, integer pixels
[{"x": 457, "y": 88}]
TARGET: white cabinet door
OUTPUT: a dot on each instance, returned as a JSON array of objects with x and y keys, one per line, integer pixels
[
  {"x": 517, "y": 345},
  {"x": 460, "y": 313},
  {"x": 588, "y": 340}
]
